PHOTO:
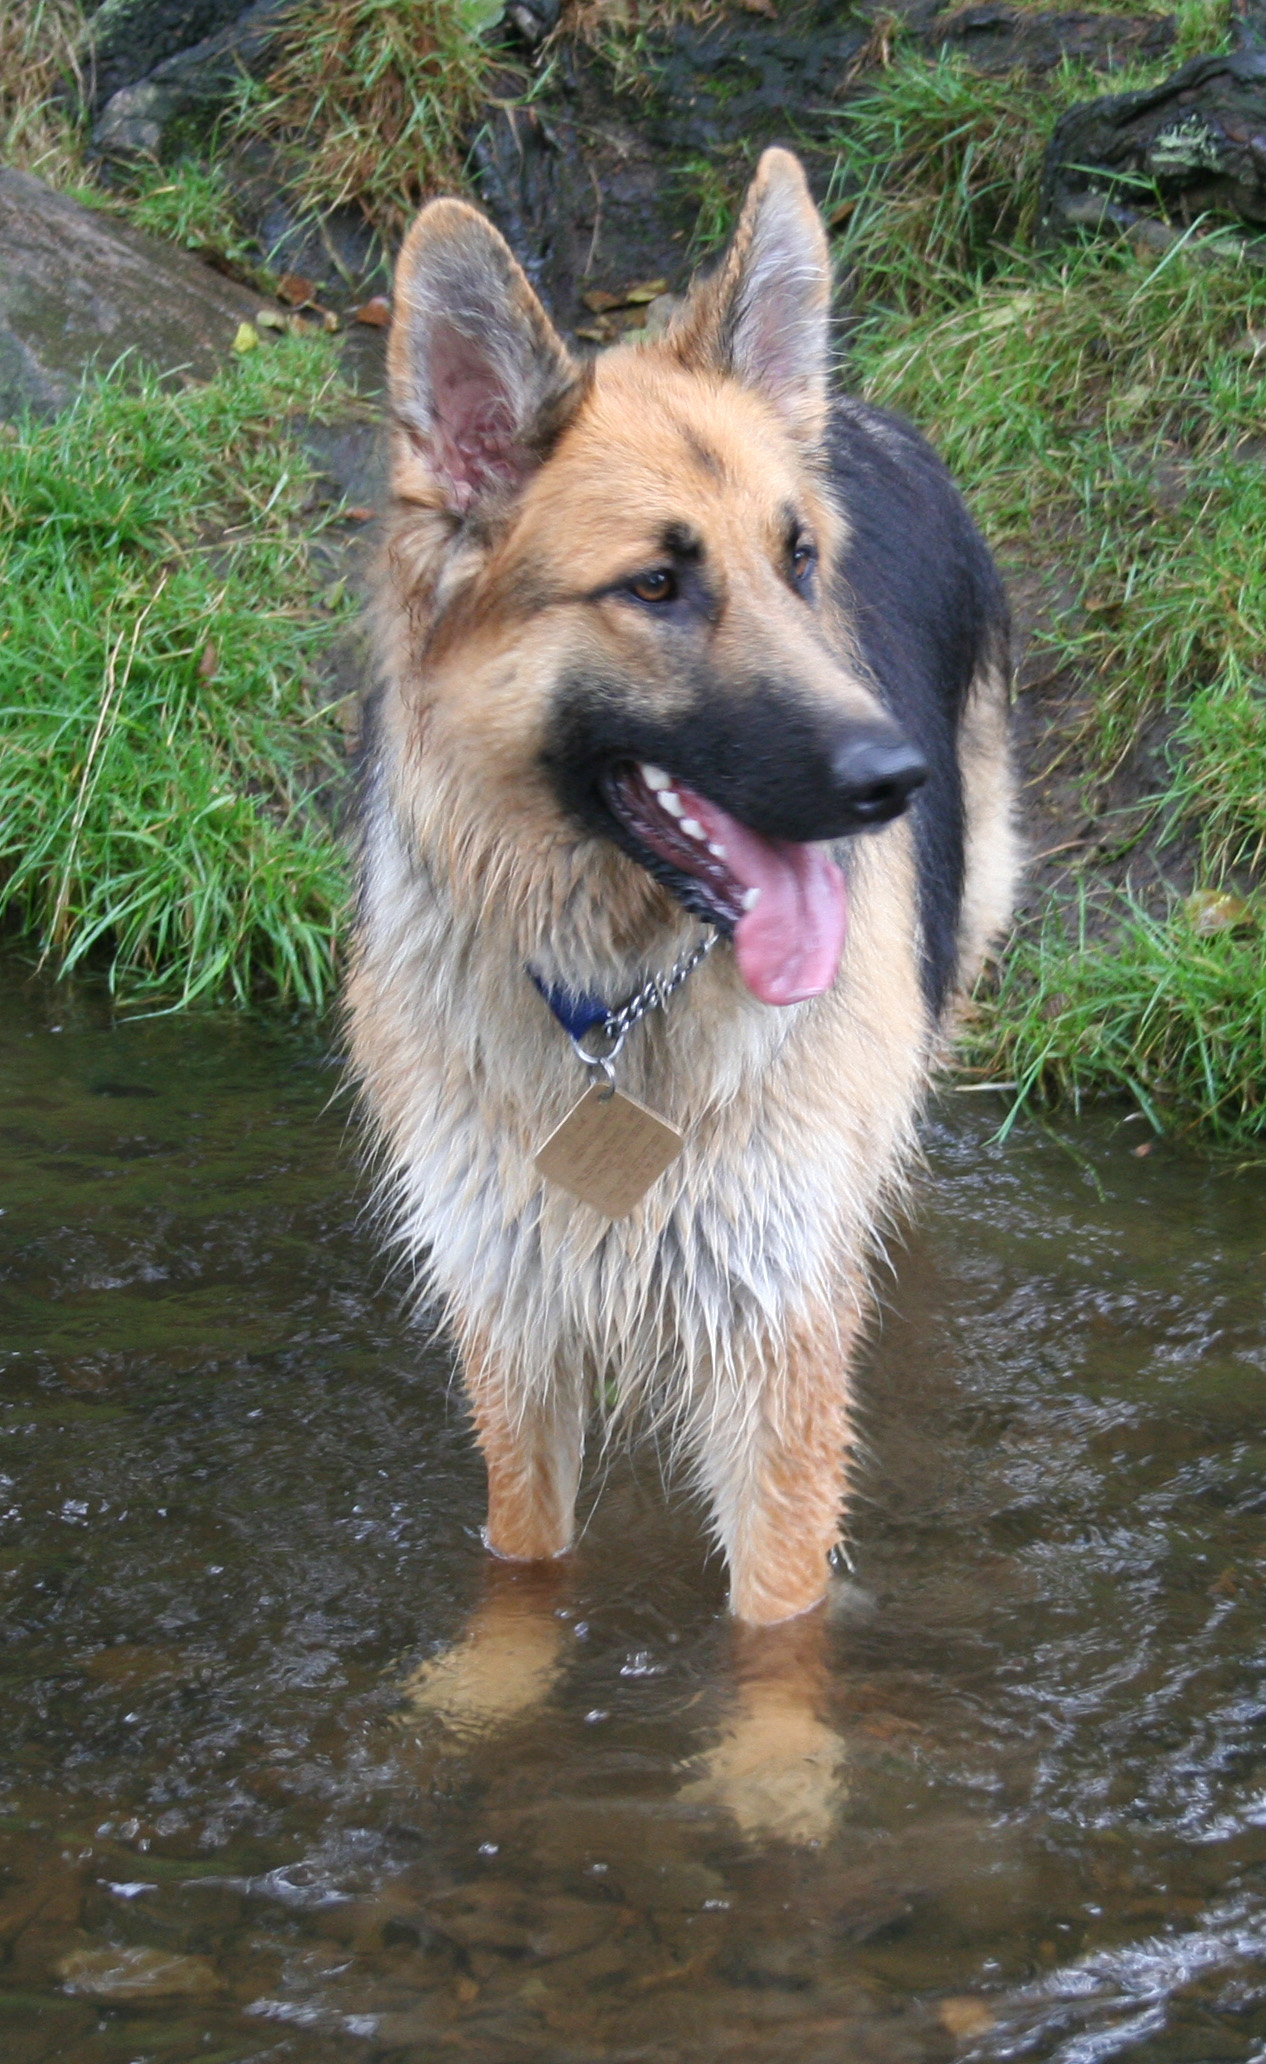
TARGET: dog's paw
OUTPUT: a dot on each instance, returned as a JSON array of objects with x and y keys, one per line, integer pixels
[{"x": 777, "y": 1771}]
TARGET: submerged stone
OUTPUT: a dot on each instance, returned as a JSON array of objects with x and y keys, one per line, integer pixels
[{"x": 135, "y": 1973}]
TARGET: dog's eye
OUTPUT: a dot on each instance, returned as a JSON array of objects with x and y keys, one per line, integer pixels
[
  {"x": 802, "y": 556},
  {"x": 659, "y": 586}
]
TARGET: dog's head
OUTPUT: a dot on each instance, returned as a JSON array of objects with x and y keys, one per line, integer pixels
[{"x": 626, "y": 655}]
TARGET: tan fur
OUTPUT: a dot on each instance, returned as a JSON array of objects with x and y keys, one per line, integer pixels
[{"x": 726, "y": 1306}]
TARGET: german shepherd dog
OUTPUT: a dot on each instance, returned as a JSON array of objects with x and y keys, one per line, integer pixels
[{"x": 669, "y": 643}]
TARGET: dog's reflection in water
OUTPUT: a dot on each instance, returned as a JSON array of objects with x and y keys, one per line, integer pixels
[
  {"x": 775, "y": 1769},
  {"x": 506, "y": 1662}
]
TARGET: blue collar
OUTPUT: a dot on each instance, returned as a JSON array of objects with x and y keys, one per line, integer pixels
[{"x": 576, "y": 1012}]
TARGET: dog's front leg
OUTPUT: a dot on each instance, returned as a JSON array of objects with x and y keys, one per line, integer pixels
[
  {"x": 530, "y": 1426},
  {"x": 773, "y": 1467}
]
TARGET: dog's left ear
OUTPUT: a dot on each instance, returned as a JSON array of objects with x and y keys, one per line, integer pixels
[
  {"x": 479, "y": 378},
  {"x": 764, "y": 316}
]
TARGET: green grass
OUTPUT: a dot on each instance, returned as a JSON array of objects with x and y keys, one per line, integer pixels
[
  {"x": 940, "y": 163},
  {"x": 189, "y": 202},
  {"x": 371, "y": 101},
  {"x": 165, "y": 767},
  {"x": 1102, "y": 407},
  {"x": 1098, "y": 408},
  {"x": 1158, "y": 1011}
]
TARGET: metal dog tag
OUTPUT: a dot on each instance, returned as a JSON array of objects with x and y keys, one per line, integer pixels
[{"x": 608, "y": 1151}]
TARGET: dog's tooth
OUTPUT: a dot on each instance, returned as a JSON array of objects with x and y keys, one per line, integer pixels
[
  {"x": 717, "y": 852},
  {"x": 692, "y": 827},
  {"x": 654, "y": 777},
  {"x": 751, "y": 897},
  {"x": 668, "y": 799}
]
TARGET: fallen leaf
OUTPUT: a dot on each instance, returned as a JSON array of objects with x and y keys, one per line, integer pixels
[
  {"x": 765, "y": 7},
  {"x": 270, "y": 319},
  {"x": 294, "y": 288},
  {"x": 329, "y": 321},
  {"x": 1142, "y": 1151},
  {"x": 247, "y": 339},
  {"x": 841, "y": 214},
  {"x": 645, "y": 290},
  {"x": 595, "y": 336},
  {"x": 599, "y": 302},
  {"x": 1216, "y": 910},
  {"x": 376, "y": 312},
  {"x": 360, "y": 515},
  {"x": 209, "y": 661}
]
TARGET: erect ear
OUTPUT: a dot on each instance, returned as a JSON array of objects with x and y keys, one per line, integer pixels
[
  {"x": 764, "y": 316},
  {"x": 478, "y": 376}
]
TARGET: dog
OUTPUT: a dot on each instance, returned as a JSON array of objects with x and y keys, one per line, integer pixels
[{"x": 675, "y": 650}]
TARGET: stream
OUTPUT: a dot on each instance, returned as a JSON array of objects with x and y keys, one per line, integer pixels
[{"x": 240, "y": 1817}]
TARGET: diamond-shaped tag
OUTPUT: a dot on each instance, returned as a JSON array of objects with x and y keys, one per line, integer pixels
[{"x": 608, "y": 1151}]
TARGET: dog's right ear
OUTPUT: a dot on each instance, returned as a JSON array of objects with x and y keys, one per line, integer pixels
[{"x": 478, "y": 377}]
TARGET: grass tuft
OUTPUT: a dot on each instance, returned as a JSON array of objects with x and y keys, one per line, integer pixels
[
  {"x": 166, "y": 768},
  {"x": 189, "y": 202},
  {"x": 1165, "y": 1015},
  {"x": 940, "y": 164},
  {"x": 40, "y": 42},
  {"x": 372, "y": 101}
]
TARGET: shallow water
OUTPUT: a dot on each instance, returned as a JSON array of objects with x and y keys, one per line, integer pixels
[{"x": 1020, "y": 1777}]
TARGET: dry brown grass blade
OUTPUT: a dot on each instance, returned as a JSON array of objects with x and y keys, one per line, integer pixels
[{"x": 41, "y": 48}]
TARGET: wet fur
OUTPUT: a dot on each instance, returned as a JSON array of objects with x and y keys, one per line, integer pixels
[{"x": 728, "y": 1303}]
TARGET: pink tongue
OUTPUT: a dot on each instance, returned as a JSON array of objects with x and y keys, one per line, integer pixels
[{"x": 788, "y": 947}]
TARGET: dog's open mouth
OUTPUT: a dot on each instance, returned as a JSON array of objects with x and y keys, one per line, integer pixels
[{"x": 786, "y": 904}]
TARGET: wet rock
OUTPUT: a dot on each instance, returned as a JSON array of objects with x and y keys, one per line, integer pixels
[
  {"x": 1198, "y": 141},
  {"x": 137, "y": 1974},
  {"x": 736, "y": 76},
  {"x": 351, "y": 457},
  {"x": 1248, "y": 24},
  {"x": 126, "y": 39},
  {"x": 77, "y": 287},
  {"x": 534, "y": 19},
  {"x": 138, "y": 119},
  {"x": 527, "y": 182},
  {"x": 340, "y": 254},
  {"x": 1000, "y": 39}
]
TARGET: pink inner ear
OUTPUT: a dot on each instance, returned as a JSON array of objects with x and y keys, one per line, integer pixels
[{"x": 476, "y": 445}]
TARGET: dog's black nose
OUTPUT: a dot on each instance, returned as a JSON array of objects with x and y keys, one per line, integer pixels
[{"x": 875, "y": 772}]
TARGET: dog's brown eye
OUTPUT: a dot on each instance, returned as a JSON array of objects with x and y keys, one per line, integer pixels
[
  {"x": 660, "y": 586},
  {"x": 803, "y": 556}
]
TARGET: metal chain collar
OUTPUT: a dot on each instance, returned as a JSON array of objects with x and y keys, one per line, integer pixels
[{"x": 653, "y": 995}]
